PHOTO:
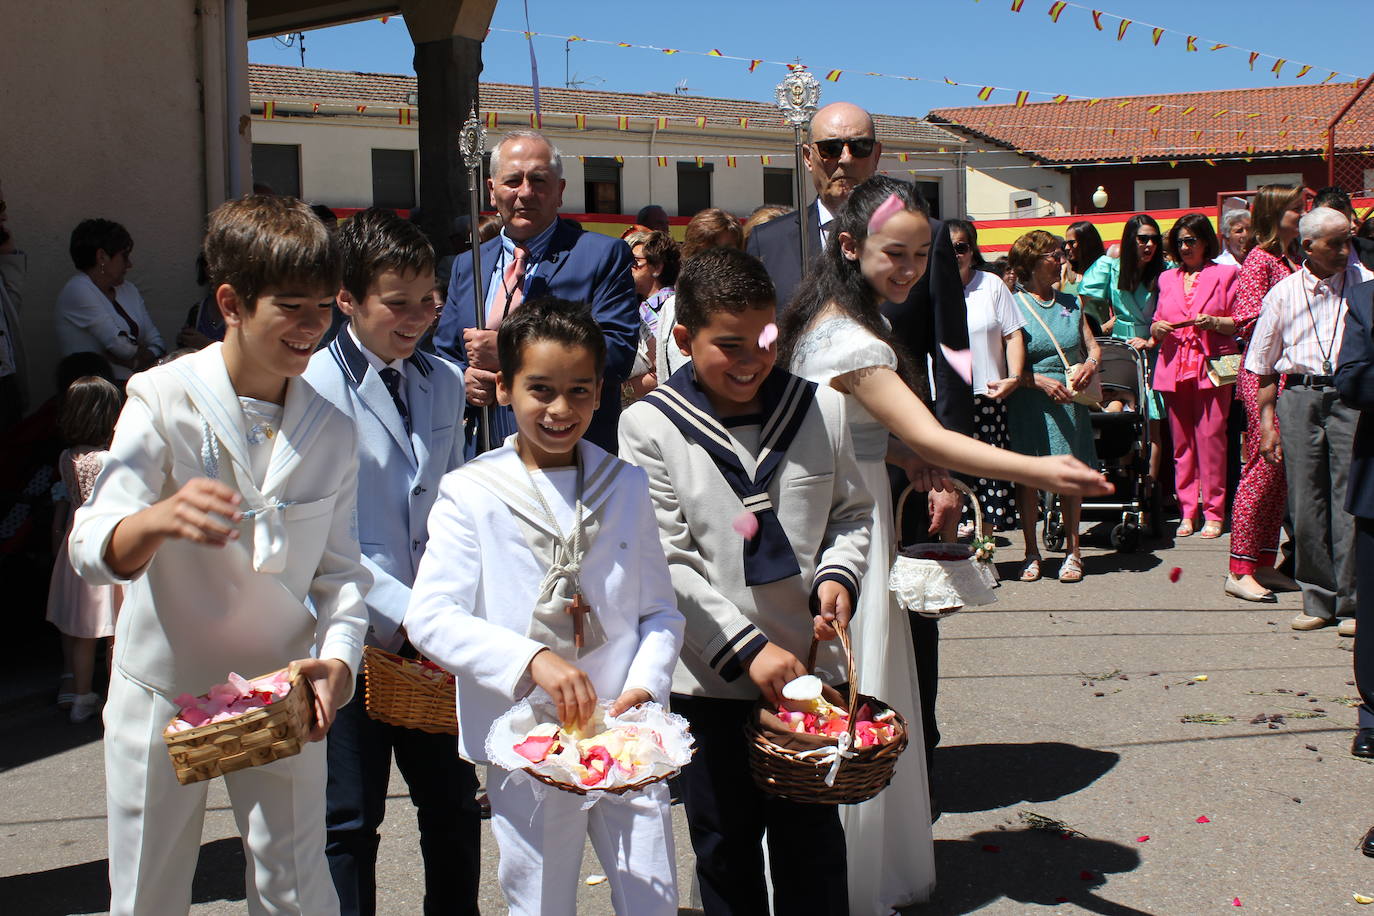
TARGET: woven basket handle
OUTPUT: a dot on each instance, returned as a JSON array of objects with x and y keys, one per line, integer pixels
[
  {"x": 850, "y": 671},
  {"x": 958, "y": 485}
]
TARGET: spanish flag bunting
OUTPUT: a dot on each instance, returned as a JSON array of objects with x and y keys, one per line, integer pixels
[
  {"x": 1189, "y": 110},
  {"x": 493, "y": 120},
  {"x": 576, "y": 38},
  {"x": 1327, "y": 80},
  {"x": 701, "y": 121},
  {"x": 1021, "y": 99},
  {"x": 403, "y": 116},
  {"x": 714, "y": 52},
  {"x": 1218, "y": 46},
  {"x": 834, "y": 76},
  {"x": 766, "y": 160},
  {"x": 950, "y": 82},
  {"x": 903, "y": 157},
  {"x": 662, "y": 160},
  {"x": 701, "y": 161},
  {"x": 384, "y": 19},
  {"x": 670, "y": 50},
  {"x": 1254, "y": 114},
  {"x": 1016, "y": 5},
  {"x": 620, "y": 160},
  {"x": 536, "y": 120},
  {"x": 314, "y": 106},
  {"x": 623, "y": 44},
  {"x": 1092, "y": 102},
  {"x": 360, "y": 108},
  {"x": 1192, "y": 43},
  {"x": 662, "y": 123},
  {"x": 580, "y": 121},
  {"x": 744, "y": 122},
  {"x": 1060, "y": 99},
  {"x": 269, "y": 110},
  {"x": 1197, "y": 135},
  {"x": 754, "y": 63},
  {"x": 1124, "y": 104},
  {"x": 1097, "y": 19},
  {"x": 1135, "y": 160},
  {"x": 1250, "y": 149},
  {"x": 1282, "y": 134},
  {"x": 1154, "y": 133},
  {"x": 1303, "y": 71},
  {"x": 1220, "y": 112},
  {"x": 1121, "y": 29},
  {"x": 529, "y": 35},
  {"x": 796, "y": 66},
  {"x": 986, "y": 92},
  {"x": 1156, "y": 34},
  {"x": 582, "y": 159},
  {"x": 1154, "y": 109},
  {"x": 1240, "y": 135},
  {"x": 1254, "y": 55},
  {"x": 622, "y": 122},
  {"x": 1173, "y": 163},
  {"x": 1056, "y": 9},
  {"x": 1278, "y": 65},
  {"x": 1111, "y": 131},
  {"x": 941, "y": 149},
  {"x": 730, "y": 161}
]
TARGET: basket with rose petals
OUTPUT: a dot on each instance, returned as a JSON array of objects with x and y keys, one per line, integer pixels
[{"x": 410, "y": 692}]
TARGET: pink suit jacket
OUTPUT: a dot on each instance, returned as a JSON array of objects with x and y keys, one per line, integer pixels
[{"x": 1214, "y": 294}]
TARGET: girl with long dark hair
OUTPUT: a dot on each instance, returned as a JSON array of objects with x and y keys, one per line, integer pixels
[{"x": 1082, "y": 249}]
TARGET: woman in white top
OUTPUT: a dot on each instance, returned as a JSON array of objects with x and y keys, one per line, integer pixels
[
  {"x": 1237, "y": 237},
  {"x": 998, "y": 352},
  {"x": 834, "y": 334},
  {"x": 99, "y": 311}
]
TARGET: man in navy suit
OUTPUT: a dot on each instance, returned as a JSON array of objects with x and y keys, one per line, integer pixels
[
  {"x": 536, "y": 255},
  {"x": 407, "y": 408},
  {"x": 1355, "y": 382},
  {"x": 844, "y": 152}
]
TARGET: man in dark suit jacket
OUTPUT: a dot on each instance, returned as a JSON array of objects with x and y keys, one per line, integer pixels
[
  {"x": 535, "y": 255},
  {"x": 844, "y": 151}
]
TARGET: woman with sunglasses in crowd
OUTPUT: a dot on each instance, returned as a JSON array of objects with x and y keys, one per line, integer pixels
[
  {"x": 1131, "y": 284},
  {"x": 998, "y": 352},
  {"x": 1083, "y": 248},
  {"x": 1193, "y": 325}
]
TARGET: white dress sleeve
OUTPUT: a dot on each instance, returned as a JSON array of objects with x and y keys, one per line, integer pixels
[
  {"x": 1004, "y": 307},
  {"x": 836, "y": 346}
]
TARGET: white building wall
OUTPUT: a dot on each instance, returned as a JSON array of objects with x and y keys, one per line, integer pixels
[{"x": 994, "y": 175}]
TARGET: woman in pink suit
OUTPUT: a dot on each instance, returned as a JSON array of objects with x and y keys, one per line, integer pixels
[{"x": 1193, "y": 324}]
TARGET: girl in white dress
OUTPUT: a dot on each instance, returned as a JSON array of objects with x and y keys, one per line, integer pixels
[{"x": 834, "y": 334}]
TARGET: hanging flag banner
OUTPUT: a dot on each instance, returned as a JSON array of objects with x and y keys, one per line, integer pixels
[
  {"x": 834, "y": 76},
  {"x": 714, "y": 52},
  {"x": 1121, "y": 29},
  {"x": 730, "y": 162},
  {"x": 744, "y": 122},
  {"x": 360, "y": 108},
  {"x": 620, "y": 160},
  {"x": 1278, "y": 65},
  {"x": 662, "y": 123},
  {"x": 1303, "y": 72},
  {"x": 493, "y": 120},
  {"x": 1155, "y": 35},
  {"x": 701, "y": 162},
  {"x": 766, "y": 160},
  {"x": 701, "y": 121},
  {"x": 1016, "y": 5},
  {"x": 1057, "y": 9},
  {"x": 753, "y": 63},
  {"x": 622, "y": 122},
  {"x": 315, "y": 107},
  {"x": 985, "y": 93},
  {"x": 1191, "y": 44},
  {"x": 1060, "y": 99},
  {"x": 1021, "y": 99},
  {"x": 580, "y": 121},
  {"x": 662, "y": 160},
  {"x": 403, "y": 116},
  {"x": 536, "y": 121},
  {"x": 1097, "y": 19},
  {"x": 1154, "y": 109},
  {"x": 269, "y": 110},
  {"x": 1253, "y": 56}
]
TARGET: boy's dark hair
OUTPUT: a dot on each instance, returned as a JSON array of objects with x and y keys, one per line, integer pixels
[
  {"x": 721, "y": 280},
  {"x": 92, "y": 235},
  {"x": 1335, "y": 198},
  {"x": 377, "y": 240},
  {"x": 90, "y": 407},
  {"x": 257, "y": 242},
  {"x": 548, "y": 318}
]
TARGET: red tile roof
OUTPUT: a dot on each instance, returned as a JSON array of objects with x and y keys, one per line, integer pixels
[
  {"x": 274, "y": 82},
  {"x": 1220, "y": 123}
]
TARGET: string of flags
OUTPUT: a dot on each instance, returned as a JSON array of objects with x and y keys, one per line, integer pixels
[{"x": 1190, "y": 42}]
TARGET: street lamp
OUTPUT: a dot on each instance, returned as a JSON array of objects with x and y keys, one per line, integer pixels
[{"x": 1100, "y": 198}]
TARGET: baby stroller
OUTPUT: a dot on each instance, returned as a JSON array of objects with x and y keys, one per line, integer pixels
[{"x": 1122, "y": 441}]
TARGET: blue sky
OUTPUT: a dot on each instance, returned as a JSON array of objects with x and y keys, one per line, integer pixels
[{"x": 976, "y": 41}]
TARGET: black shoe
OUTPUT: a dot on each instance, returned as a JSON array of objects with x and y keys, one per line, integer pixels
[
  {"x": 1367, "y": 844},
  {"x": 1363, "y": 745}
]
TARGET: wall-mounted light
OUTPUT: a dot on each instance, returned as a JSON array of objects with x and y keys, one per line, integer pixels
[{"x": 1100, "y": 198}]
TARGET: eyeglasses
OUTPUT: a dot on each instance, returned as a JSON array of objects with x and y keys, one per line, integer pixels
[
  {"x": 1186, "y": 241},
  {"x": 1147, "y": 240},
  {"x": 962, "y": 248},
  {"x": 859, "y": 147},
  {"x": 1055, "y": 255}
]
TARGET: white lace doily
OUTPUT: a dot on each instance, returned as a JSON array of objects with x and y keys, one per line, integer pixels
[{"x": 933, "y": 588}]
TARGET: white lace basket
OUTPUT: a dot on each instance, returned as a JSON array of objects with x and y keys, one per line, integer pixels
[{"x": 936, "y": 579}]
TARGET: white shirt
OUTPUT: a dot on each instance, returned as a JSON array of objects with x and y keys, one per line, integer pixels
[
  {"x": 823, "y": 216},
  {"x": 1301, "y": 322},
  {"x": 1226, "y": 257},
  {"x": 992, "y": 315},
  {"x": 87, "y": 322}
]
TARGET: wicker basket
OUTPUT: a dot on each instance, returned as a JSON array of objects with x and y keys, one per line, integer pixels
[
  {"x": 785, "y": 773},
  {"x": 402, "y": 691},
  {"x": 248, "y": 740},
  {"x": 952, "y": 579},
  {"x": 583, "y": 790}
]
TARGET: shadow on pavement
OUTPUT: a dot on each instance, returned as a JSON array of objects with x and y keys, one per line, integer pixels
[
  {"x": 35, "y": 732},
  {"x": 982, "y": 777},
  {"x": 1033, "y": 867},
  {"x": 85, "y": 888}
]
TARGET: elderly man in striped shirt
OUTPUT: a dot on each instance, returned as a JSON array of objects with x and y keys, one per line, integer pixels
[{"x": 1297, "y": 338}]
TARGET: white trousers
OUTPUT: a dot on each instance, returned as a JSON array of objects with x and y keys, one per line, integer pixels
[
  {"x": 155, "y": 822},
  {"x": 541, "y": 845}
]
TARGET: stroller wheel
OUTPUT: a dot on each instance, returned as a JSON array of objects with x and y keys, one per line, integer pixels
[
  {"x": 1126, "y": 537},
  {"x": 1054, "y": 531}
]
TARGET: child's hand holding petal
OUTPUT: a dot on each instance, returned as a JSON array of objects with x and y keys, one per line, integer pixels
[{"x": 635, "y": 696}]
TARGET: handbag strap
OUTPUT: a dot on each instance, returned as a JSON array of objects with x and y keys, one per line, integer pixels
[{"x": 1035, "y": 313}]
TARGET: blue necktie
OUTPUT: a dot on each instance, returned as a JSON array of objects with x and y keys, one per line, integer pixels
[{"x": 392, "y": 378}]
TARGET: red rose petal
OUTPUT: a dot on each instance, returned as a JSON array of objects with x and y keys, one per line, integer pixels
[
  {"x": 1204, "y": 819},
  {"x": 991, "y": 848},
  {"x": 1235, "y": 901},
  {"x": 1142, "y": 839},
  {"x": 1174, "y": 574},
  {"x": 1086, "y": 876}
]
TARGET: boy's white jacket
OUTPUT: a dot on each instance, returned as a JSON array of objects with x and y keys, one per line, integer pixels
[
  {"x": 195, "y": 613},
  {"x": 824, "y": 508},
  {"x": 474, "y": 595}
]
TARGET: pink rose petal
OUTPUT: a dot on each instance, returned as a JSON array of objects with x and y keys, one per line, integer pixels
[
  {"x": 768, "y": 335},
  {"x": 886, "y": 210},
  {"x": 961, "y": 361},
  {"x": 186, "y": 700},
  {"x": 746, "y": 524},
  {"x": 240, "y": 684},
  {"x": 1142, "y": 839},
  {"x": 1175, "y": 574},
  {"x": 1204, "y": 819},
  {"x": 1235, "y": 901},
  {"x": 194, "y": 715}
]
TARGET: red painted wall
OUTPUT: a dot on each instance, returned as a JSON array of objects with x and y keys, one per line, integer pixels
[{"x": 1204, "y": 181}]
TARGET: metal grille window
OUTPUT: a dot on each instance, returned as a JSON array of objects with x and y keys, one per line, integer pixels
[
  {"x": 393, "y": 178},
  {"x": 601, "y": 178},
  {"x": 930, "y": 190},
  {"x": 278, "y": 165},
  {"x": 693, "y": 187}
]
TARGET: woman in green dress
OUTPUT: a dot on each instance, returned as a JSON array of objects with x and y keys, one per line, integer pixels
[
  {"x": 1131, "y": 284},
  {"x": 1083, "y": 248},
  {"x": 1042, "y": 415}
]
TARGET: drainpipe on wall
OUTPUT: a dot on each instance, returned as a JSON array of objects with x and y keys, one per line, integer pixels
[
  {"x": 212, "y": 100},
  {"x": 236, "y": 110},
  {"x": 653, "y": 135}
]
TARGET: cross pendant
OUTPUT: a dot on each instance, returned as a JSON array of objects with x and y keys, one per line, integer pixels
[{"x": 578, "y": 609}]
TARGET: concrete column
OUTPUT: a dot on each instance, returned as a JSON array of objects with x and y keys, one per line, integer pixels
[{"x": 447, "y": 70}]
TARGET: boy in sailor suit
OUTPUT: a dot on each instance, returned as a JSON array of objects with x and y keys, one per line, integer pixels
[
  {"x": 225, "y": 509},
  {"x": 727, "y": 435},
  {"x": 406, "y": 406},
  {"x": 514, "y": 535}
]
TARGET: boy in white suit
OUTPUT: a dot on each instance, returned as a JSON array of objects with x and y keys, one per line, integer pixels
[
  {"x": 728, "y": 435},
  {"x": 225, "y": 509},
  {"x": 515, "y": 535},
  {"x": 406, "y": 406}
]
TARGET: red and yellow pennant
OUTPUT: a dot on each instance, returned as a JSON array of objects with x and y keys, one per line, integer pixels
[
  {"x": 622, "y": 122},
  {"x": 620, "y": 160},
  {"x": 766, "y": 160},
  {"x": 1154, "y": 109},
  {"x": 744, "y": 122},
  {"x": 1254, "y": 55},
  {"x": 1057, "y": 10},
  {"x": 701, "y": 120},
  {"x": 754, "y": 64},
  {"x": 1016, "y": 5},
  {"x": 985, "y": 93},
  {"x": 1218, "y": 46},
  {"x": 1303, "y": 72},
  {"x": 701, "y": 161},
  {"x": 662, "y": 160},
  {"x": 360, "y": 108},
  {"x": 1278, "y": 65},
  {"x": 269, "y": 110},
  {"x": 903, "y": 157},
  {"x": 714, "y": 52},
  {"x": 662, "y": 123},
  {"x": 1191, "y": 44},
  {"x": 1060, "y": 99},
  {"x": 670, "y": 50},
  {"x": 493, "y": 120},
  {"x": 1121, "y": 29},
  {"x": 1097, "y": 19},
  {"x": 536, "y": 120},
  {"x": 403, "y": 116},
  {"x": 623, "y": 44},
  {"x": 1021, "y": 99},
  {"x": 1155, "y": 35},
  {"x": 730, "y": 162},
  {"x": 834, "y": 76},
  {"x": 580, "y": 121},
  {"x": 1189, "y": 110}
]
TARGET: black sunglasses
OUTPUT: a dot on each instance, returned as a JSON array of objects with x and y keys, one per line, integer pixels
[
  {"x": 859, "y": 147},
  {"x": 962, "y": 248}
]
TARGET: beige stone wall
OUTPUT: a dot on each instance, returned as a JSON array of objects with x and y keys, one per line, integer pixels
[{"x": 100, "y": 115}]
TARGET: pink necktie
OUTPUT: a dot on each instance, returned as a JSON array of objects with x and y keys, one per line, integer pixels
[{"x": 512, "y": 292}]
